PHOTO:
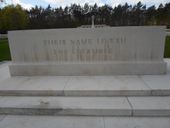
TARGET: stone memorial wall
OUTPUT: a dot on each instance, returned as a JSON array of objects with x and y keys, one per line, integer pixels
[{"x": 87, "y": 51}]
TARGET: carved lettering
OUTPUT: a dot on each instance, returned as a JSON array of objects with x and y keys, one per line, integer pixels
[{"x": 84, "y": 49}]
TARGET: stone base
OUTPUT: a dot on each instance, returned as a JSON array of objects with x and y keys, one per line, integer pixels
[
  {"x": 80, "y": 69},
  {"x": 124, "y": 96}
]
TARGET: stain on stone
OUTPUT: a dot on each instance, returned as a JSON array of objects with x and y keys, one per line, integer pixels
[{"x": 2, "y": 117}]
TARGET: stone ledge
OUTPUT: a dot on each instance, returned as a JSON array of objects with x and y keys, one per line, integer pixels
[
  {"x": 86, "y": 106},
  {"x": 86, "y": 69},
  {"x": 103, "y": 106}
]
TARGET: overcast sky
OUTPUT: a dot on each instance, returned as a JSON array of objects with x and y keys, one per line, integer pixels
[{"x": 56, "y": 3}]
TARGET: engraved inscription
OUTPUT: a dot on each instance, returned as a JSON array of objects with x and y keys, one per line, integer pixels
[{"x": 100, "y": 49}]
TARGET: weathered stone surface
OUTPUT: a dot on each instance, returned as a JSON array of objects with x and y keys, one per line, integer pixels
[
  {"x": 51, "y": 122},
  {"x": 137, "y": 122},
  {"x": 80, "y": 51},
  {"x": 83, "y": 122},
  {"x": 86, "y": 106},
  {"x": 129, "y": 85},
  {"x": 106, "y": 86},
  {"x": 104, "y": 106},
  {"x": 150, "y": 106}
]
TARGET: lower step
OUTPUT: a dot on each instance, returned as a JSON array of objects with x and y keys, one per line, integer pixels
[
  {"x": 83, "y": 93},
  {"x": 91, "y": 106},
  {"x": 65, "y": 106},
  {"x": 79, "y": 93},
  {"x": 83, "y": 122}
]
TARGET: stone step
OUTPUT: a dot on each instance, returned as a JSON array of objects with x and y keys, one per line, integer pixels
[
  {"x": 85, "y": 93},
  {"x": 86, "y": 106},
  {"x": 82, "y": 122},
  {"x": 117, "y": 85},
  {"x": 85, "y": 86}
]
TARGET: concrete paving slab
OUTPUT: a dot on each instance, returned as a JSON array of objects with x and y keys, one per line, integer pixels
[
  {"x": 12, "y": 83},
  {"x": 48, "y": 85},
  {"x": 106, "y": 86},
  {"x": 115, "y": 106},
  {"x": 83, "y": 122},
  {"x": 45, "y": 83},
  {"x": 37, "y": 85},
  {"x": 4, "y": 71},
  {"x": 51, "y": 122},
  {"x": 137, "y": 122},
  {"x": 150, "y": 106},
  {"x": 160, "y": 85}
]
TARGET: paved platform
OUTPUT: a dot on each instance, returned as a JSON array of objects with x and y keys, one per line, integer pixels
[
  {"x": 129, "y": 101},
  {"x": 118, "y": 85},
  {"x": 82, "y": 122},
  {"x": 86, "y": 106}
]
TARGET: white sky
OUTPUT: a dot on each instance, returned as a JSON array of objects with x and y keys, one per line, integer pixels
[{"x": 56, "y": 3}]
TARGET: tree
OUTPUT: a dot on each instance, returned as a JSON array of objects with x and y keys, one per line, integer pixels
[
  {"x": 151, "y": 15},
  {"x": 13, "y": 18},
  {"x": 36, "y": 18}
]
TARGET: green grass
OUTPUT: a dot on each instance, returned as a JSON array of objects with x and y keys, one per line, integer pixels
[
  {"x": 5, "y": 52},
  {"x": 167, "y": 47}
]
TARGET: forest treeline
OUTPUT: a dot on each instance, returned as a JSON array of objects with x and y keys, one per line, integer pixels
[{"x": 16, "y": 18}]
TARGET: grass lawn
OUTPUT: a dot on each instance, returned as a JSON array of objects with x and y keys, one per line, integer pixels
[
  {"x": 167, "y": 47},
  {"x": 5, "y": 52}
]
